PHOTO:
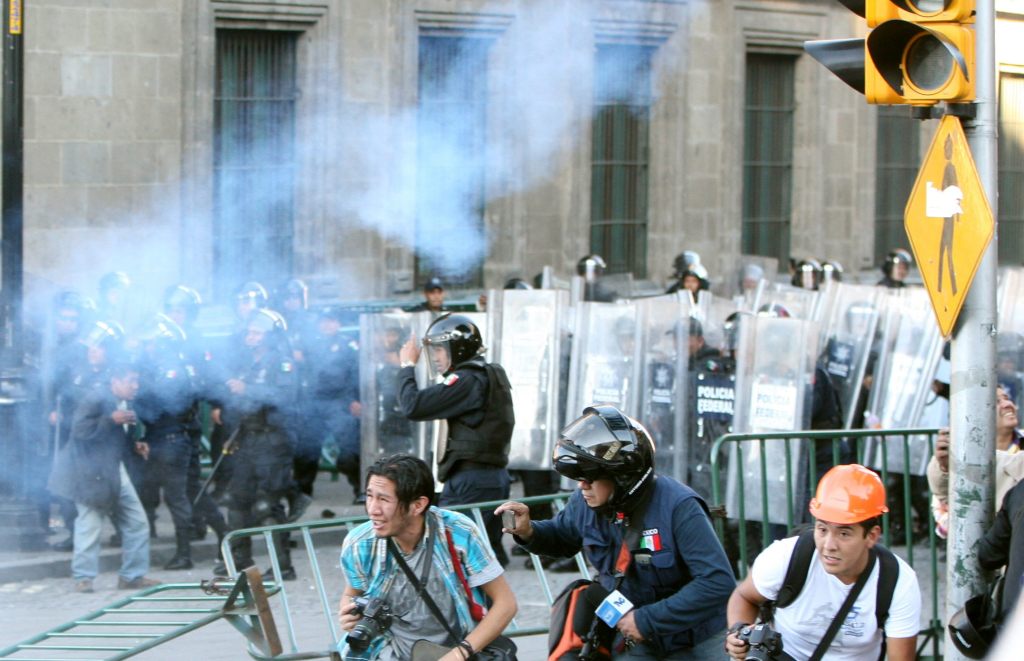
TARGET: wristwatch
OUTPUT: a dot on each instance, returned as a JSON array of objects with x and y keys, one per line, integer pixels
[{"x": 408, "y": 363}]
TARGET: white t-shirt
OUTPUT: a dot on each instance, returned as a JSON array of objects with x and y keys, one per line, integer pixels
[{"x": 804, "y": 622}]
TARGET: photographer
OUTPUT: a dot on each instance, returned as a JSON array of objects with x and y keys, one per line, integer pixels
[
  {"x": 649, "y": 537},
  {"x": 836, "y": 592},
  {"x": 394, "y": 615}
]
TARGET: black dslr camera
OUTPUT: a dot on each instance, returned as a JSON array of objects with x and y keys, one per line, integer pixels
[
  {"x": 765, "y": 642},
  {"x": 375, "y": 620}
]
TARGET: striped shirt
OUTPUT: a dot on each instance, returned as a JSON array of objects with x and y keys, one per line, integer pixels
[{"x": 370, "y": 570}]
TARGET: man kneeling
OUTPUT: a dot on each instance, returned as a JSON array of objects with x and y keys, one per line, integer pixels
[
  {"x": 844, "y": 564},
  {"x": 441, "y": 548}
]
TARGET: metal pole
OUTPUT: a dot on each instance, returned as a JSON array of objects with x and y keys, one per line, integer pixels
[
  {"x": 13, "y": 182},
  {"x": 972, "y": 391}
]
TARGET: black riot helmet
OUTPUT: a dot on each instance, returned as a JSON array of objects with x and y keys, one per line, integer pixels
[
  {"x": 807, "y": 274},
  {"x": 104, "y": 335},
  {"x": 683, "y": 261},
  {"x": 160, "y": 334},
  {"x": 604, "y": 443},
  {"x": 896, "y": 256},
  {"x": 591, "y": 267},
  {"x": 114, "y": 280},
  {"x": 272, "y": 325},
  {"x": 69, "y": 299},
  {"x": 253, "y": 290},
  {"x": 731, "y": 329},
  {"x": 184, "y": 298},
  {"x": 295, "y": 288},
  {"x": 698, "y": 271},
  {"x": 972, "y": 629},
  {"x": 517, "y": 283},
  {"x": 459, "y": 336},
  {"x": 831, "y": 271}
]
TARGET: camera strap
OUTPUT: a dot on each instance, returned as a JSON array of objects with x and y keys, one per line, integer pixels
[
  {"x": 421, "y": 585},
  {"x": 851, "y": 597}
]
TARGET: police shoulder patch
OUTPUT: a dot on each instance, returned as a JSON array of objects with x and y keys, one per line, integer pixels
[
  {"x": 286, "y": 366},
  {"x": 450, "y": 381}
]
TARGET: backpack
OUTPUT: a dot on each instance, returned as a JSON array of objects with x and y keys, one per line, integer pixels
[
  {"x": 800, "y": 564},
  {"x": 571, "y": 619}
]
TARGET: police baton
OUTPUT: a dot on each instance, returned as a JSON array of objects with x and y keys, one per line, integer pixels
[{"x": 228, "y": 448}]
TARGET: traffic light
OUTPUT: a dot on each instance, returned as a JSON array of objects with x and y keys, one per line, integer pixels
[{"x": 918, "y": 52}]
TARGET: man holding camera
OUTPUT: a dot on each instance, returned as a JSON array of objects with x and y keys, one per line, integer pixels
[
  {"x": 851, "y": 598},
  {"x": 384, "y": 610},
  {"x": 649, "y": 537}
]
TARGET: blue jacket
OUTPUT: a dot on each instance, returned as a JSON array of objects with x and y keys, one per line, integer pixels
[{"x": 680, "y": 596}]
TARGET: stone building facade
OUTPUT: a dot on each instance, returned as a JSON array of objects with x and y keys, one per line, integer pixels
[{"x": 376, "y": 142}]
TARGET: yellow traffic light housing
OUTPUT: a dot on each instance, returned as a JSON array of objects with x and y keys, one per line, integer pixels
[{"x": 919, "y": 11}]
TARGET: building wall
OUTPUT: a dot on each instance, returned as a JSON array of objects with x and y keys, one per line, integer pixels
[{"x": 119, "y": 125}]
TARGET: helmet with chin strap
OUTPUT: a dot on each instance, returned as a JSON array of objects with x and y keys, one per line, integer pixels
[{"x": 604, "y": 443}]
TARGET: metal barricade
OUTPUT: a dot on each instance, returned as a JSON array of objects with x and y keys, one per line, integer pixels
[
  {"x": 736, "y": 529},
  {"x": 329, "y": 594}
]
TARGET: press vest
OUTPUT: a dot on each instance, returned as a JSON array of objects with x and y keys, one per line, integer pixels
[{"x": 487, "y": 442}]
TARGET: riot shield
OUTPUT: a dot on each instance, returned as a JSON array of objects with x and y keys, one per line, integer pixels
[
  {"x": 788, "y": 300},
  {"x": 527, "y": 341},
  {"x": 774, "y": 372},
  {"x": 383, "y": 428},
  {"x": 910, "y": 351},
  {"x": 664, "y": 338},
  {"x": 605, "y": 358},
  {"x": 846, "y": 340},
  {"x": 746, "y": 278}
]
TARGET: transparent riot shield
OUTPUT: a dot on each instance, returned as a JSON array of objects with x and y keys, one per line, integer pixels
[
  {"x": 713, "y": 312},
  {"x": 605, "y": 358},
  {"x": 846, "y": 340},
  {"x": 664, "y": 337},
  {"x": 909, "y": 353},
  {"x": 527, "y": 341},
  {"x": 383, "y": 428},
  {"x": 788, "y": 300},
  {"x": 747, "y": 277},
  {"x": 1010, "y": 341},
  {"x": 774, "y": 371}
]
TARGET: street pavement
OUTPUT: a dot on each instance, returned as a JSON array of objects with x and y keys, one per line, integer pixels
[{"x": 36, "y": 590}]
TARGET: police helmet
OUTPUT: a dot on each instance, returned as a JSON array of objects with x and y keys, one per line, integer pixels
[
  {"x": 731, "y": 329},
  {"x": 753, "y": 272},
  {"x": 114, "y": 280},
  {"x": 972, "y": 629},
  {"x": 896, "y": 256},
  {"x": 683, "y": 261},
  {"x": 773, "y": 309},
  {"x": 604, "y": 443},
  {"x": 162, "y": 330},
  {"x": 591, "y": 266},
  {"x": 104, "y": 335},
  {"x": 831, "y": 271},
  {"x": 458, "y": 335},
  {"x": 295, "y": 288},
  {"x": 268, "y": 321},
  {"x": 517, "y": 283},
  {"x": 254, "y": 291},
  {"x": 807, "y": 274},
  {"x": 182, "y": 297}
]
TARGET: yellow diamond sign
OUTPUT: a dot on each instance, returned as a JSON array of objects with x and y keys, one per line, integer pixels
[{"x": 948, "y": 221}]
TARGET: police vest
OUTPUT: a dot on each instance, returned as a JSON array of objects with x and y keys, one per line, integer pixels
[{"x": 487, "y": 442}]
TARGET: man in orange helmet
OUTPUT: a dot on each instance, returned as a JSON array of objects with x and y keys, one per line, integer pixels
[{"x": 835, "y": 589}]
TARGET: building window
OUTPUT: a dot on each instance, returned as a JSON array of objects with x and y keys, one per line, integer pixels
[
  {"x": 620, "y": 157},
  {"x": 768, "y": 155},
  {"x": 254, "y": 155},
  {"x": 451, "y": 152},
  {"x": 897, "y": 161},
  {"x": 1011, "y": 169}
]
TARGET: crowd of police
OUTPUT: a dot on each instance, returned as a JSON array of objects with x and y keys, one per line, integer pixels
[{"x": 266, "y": 394}]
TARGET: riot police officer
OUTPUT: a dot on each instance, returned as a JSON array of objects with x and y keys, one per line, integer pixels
[
  {"x": 694, "y": 280},
  {"x": 476, "y": 399},
  {"x": 260, "y": 394},
  {"x": 113, "y": 293},
  {"x": 807, "y": 274},
  {"x": 591, "y": 268},
  {"x": 166, "y": 406},
  {"x": 895, "y": 269},
  {"x": 433, "y": 297}
]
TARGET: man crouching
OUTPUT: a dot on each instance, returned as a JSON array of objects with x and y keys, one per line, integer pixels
[{"x": 404, "y": 523}]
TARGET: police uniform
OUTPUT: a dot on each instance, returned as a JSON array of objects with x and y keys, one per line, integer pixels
[
  {"x": 472, "y": 463},
  {"x": 679, "y": 581}
]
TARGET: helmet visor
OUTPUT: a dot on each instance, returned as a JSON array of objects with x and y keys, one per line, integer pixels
[{"x": 590, "y": 446}]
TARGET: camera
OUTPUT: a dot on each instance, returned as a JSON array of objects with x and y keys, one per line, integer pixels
[
  {"x": 375, "y": 620},
  {"x": 765, "y": 642}
]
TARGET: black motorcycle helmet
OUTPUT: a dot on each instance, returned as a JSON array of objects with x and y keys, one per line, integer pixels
[
  {"x": 895, "y": 257},
  {"x": 604, "y": 443},
  {"x": 591, "y": 266},
  {"x": 517, "y": 283},
  {"x": 971, "y": 628},
  {"x": 458, "y": 335},
  {"x": 182, "y": 297},
  {"x": 807, "y": 274}
]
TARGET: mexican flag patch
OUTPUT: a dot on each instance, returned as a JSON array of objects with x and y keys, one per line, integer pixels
[{"x": 651, "y": 540}]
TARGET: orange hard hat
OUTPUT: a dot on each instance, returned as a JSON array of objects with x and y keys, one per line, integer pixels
[{"x": 849, "y": 494}]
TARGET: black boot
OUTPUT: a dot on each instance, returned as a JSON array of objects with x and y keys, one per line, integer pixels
[{"x": 183, "y": 552}]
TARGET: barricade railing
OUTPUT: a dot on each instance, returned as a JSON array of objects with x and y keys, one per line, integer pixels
[
  {"x": 328, "y": 595},
  {"x": 801, "y": 450}
]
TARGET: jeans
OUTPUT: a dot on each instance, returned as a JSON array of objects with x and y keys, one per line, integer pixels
[
  {"x": 712, "y": 649},
  {"x": 131, "y": 521}
]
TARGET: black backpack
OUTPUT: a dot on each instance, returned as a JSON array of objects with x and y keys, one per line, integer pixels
[{"x": 800, "y": 564}]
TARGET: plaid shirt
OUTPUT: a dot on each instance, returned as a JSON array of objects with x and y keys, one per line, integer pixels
[{"x": 369, "y": 569}]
